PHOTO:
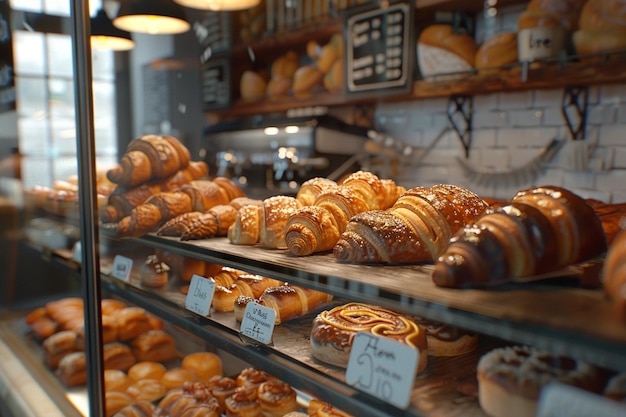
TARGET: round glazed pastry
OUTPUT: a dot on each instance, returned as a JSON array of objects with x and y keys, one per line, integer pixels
[
  {"x": 222, "y": 389},
  {"x": 276, "y": 398},
  {"x": 155, "y": 272},
  {"x": 204, "y": 364},
  {"x": 510, "y": 379},
  {"x": 252, "y": 377},
  {"x": 446, "y": 340},
  {"x": 146, "y": 369},
  {"x": 243, "y": 402},
  {"x": 334, "y": 330},
  {"x": 115, "y": 400}
]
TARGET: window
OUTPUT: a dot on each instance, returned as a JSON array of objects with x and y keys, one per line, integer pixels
[{"x": 44, "y": 79}]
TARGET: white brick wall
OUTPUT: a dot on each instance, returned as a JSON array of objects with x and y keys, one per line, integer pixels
[{"x": 510, "y": 130}]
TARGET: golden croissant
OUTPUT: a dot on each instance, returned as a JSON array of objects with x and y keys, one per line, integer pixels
[{"x": 416, "y": 228}]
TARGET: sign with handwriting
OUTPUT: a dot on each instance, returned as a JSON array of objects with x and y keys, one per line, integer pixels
[
  {"x": 200, "y": 295},
  {"x": 122, "y": 267},
  {"x": 379, "y": 54},
  {"x": 383, "y": 368},
  {"x": 216, "y": 84},
  {"x": 558, "y": 400},
  {"x": 258, "y": 323}
]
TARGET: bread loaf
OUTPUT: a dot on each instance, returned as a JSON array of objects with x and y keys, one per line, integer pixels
[
  {"x": 441, "y": 50},
  {"x": 496, "y": 52},
  {"x": 542, "y": 229},
  {"x": 602, "y": 27},
  {"x": 416, "y": 228}
]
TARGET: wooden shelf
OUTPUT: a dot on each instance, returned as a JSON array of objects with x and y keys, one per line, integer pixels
[{"x": 554, "y": 314}]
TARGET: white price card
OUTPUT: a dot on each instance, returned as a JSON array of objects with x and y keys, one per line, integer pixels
[
  {"x": 258, "y": 323},
  {"x": 383, "y": 368},
  {"x": 122, "y": 266},
  {"x": 200, "y": 295},
  {"x": 558, "y": 400}
]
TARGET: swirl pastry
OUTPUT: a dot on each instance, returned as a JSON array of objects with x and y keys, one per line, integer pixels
[
  {"x": 222, "y": 389},
  {"x": 334, "y": 330},
  {"x": 276, "y": 398},
  {"x": 243, "y": 403},
  {"x": 510, "y": 379}
]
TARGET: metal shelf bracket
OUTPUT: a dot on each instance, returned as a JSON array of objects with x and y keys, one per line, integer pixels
[{"x": 460, "y": 112}]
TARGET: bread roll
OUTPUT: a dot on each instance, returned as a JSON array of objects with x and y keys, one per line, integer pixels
[
  {"x": 118, "y": 356},
  {"x": 116, "y": 380},
  {"x": 306, "y": 79},
  {"x": 72, "y": 370},
  {"x": 205, "y": 364},
  {"x": 252, "y": 86},
  {"x": 131, "y": 322},
  {"x": 114, "y": 401},
  {"x": 146, "y": 369},
  {"x": 154, "y": 345},
  {"x": 177, "y": 377},
  {"x": 602, "y": 27},
  {"x": 147, "y": 389}
]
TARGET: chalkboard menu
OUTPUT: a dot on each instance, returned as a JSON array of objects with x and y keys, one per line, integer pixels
[
  {"x": 378, "y": 45},
  {"x": 7, "y": 82},
  {"x": 216, "y": 84},
  {"x": 214, "y": 33}
]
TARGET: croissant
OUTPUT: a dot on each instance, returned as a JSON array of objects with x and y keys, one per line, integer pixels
[
  {"x": 312, "y": 188},
  {"x": 245, "y": 285},
  {"x": 290, "y": 301},
  {"x": 416, "y": 228},
  {"x": 316, "y": 230},
  {"x": 542, "y": 229},
  {"x": 123, "y": 199},
  {"x": 202, "y": 225},
  {"x": 264, "y": 224},
  {"x": 149, "y": 157},
  {"x": 198, "y": 195}
]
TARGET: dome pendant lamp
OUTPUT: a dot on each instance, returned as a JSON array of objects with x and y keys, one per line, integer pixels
[
  {"x": 106, "y": 36},
  {"x": 155, "y": 17},
  {"x": 219, "y": 5}
]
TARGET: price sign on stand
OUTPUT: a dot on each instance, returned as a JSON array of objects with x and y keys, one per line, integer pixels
[
  {"x": 216, "y": 84},
  {"x": 200, "y": 295},
  {"x": 122, "y": 266},
  {"x": 379, "y": 56},
  {"x": 77, "y": 252},
  {"x": 257, "y": 324},
  {"x": 383, "y": 368},
  {"x": 558, "y": 400}
]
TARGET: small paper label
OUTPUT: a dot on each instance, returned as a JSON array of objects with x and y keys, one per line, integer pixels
[
  {"x": 558, "y": 400},
  {"x": 258, "y": 323},
  {"x": 540, "y": 42},
  {"x": 77, "y": 253},
  {"x": 200, "y": 295},
  {"x": 122, "y": 266},
  {"x": 383, "y": 368}
]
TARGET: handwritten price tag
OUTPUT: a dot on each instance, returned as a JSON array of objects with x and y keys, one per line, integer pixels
[
  {"x": 122, "y": 266},
  {"x": 258, "y": 323},
  {"x": 200, "y": 295},
  {"x": 383, "y": 368},
  {"x": 557, "y": 400}
]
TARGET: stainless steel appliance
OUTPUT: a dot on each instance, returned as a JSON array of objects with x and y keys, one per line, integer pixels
[{"x": 273, "y": 156}]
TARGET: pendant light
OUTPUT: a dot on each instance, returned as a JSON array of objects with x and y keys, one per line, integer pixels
[
  {"x": 219, "y": 5},
  {"x": 106, "y": 36},
  {"x": 155, "y": 17}
]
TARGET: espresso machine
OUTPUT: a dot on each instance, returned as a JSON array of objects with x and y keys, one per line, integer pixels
[{"x": 271, "y": 156}]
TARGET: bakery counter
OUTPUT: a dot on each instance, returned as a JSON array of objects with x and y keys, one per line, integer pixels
[
  {"x": 447, "y": 387},
  {"x": 555, "y": 314}
]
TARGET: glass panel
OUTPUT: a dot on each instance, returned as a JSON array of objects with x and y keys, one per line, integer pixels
[
  {"x": 103, "y": 64},
  {"x": 33, "y": 136},
  {"x": 31, "y": 97},
  {"x": 36, "y": 171},
  {"x": 60, "y": 55},
  {"x": 57, "y": 7},
  {"x": 28, "y": 53},
  {"x": 65, "y": 168},
  {"x": 30, "y": 5},
  {"x": 105, "y": 120},
  {"x": 61, "y": 98},
  {"x": 63, "y": 136}
]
